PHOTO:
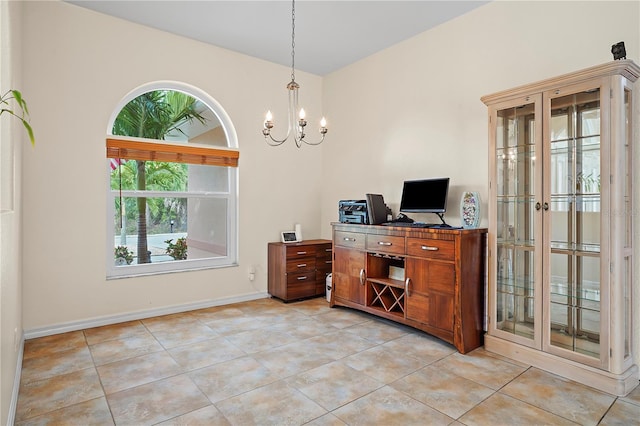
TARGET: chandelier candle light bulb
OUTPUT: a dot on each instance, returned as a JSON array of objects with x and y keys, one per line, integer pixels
[{"x": 268, "y": 124}]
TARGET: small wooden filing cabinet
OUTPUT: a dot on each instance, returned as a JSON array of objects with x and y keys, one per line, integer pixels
[{"x": 299, "y": 270}]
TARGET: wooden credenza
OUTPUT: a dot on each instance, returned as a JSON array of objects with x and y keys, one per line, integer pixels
[
  {"x": 298, "y": 270},
  {"x": 429, "y": 279}
]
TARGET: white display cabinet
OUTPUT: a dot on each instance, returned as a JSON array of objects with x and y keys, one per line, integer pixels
[{"x": 561, "y": 225}]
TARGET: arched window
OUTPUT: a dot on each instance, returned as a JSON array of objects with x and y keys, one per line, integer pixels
[{"x": 173, "y": 173}]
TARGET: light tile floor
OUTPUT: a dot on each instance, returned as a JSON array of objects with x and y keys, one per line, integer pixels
[{"x": 268, "y": 363}]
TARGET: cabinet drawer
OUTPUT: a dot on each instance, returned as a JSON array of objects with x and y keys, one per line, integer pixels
[
  {"x": 301, "y": 265},
  {"x": 301, "y": 290},
  {"x": 302, "y": 278},
  {"x": 324, "y": 265},
  {"x": 385, "y": 244},
  {"x": 324, "y": 251},
  {"x": 349, "y": 239},
  {"x": 324, "y": 257},
  {"x": 294, "y": 252},
  {"x": 432, "y": 249}
]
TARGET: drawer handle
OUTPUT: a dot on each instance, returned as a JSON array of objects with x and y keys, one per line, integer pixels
[
  {"x": 302, "y": 252},
  {"x": 302, "y": 278},
  {"x": 384, "y": 243},
  {"x": 429, "y": 248},
  {"x": 328, "y": 261},
  {"x": 328, "y": 250},
  {"x": 302, "y": 265},
  {"x": 349, "y": 239}
]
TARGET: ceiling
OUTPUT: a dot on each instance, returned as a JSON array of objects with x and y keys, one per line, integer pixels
[{"x": 328, "y": 34}]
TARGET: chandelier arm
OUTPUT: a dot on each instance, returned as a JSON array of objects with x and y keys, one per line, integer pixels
[
  {"x": 274, "y": 142},
  {"x": 315, "y": 143},
  {"x": 290, "y": 120}
]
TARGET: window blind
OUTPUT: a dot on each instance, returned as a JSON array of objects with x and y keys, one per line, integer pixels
[{"x": 136, "y": 149}]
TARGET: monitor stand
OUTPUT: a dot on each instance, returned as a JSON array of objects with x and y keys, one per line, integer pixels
[{"x": 438, "y": 225}]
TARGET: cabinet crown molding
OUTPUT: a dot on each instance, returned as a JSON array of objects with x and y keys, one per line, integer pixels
[{"x": 626, "y": 67}]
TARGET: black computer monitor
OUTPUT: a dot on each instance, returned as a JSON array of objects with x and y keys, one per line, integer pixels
[{"x": 425, "y": 196}]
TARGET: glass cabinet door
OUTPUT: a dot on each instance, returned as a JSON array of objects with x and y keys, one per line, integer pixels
[
  {"x": 573, "y": 183},
  {"x": 516, "y": 190}
]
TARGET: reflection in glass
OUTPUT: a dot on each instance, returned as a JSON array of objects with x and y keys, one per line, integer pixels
[
  {"x": 575, "y": 223},
  {"x": 515, "y": 190}
]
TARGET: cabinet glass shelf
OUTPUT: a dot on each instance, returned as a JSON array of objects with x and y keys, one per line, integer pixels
[
  {"x": 584, "y": 249},
  {"x": 513, "y": 243},
  {"x": 520, "y": 288}
]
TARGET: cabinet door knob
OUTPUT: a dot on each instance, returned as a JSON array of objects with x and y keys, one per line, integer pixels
[
  {"x": 406, "y": 286},
  {"x": 545, "y": 206},
  {"x": 384, "y": 243},
  {"x": 429, "y": 248},
  {"x": 538, "y": 205}
]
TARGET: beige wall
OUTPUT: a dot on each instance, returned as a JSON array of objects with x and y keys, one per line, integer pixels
[
  {"x": 414, "y": 110},
  {"x": 411, "y": 111},
  {"x": 77, "y": 67}
]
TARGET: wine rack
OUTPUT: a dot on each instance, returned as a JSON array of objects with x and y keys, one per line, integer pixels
[
  {"x": 386, "y": 296},
  {"x": 385, "y": 293}
]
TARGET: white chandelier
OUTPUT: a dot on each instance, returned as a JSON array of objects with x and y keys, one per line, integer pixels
[{"x": 297, "y": 121}]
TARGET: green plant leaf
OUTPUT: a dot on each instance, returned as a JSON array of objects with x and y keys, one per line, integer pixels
[
  {"x": 18, "y": 97},
  {"x": 30, "y": 132},
  {"x": 23, "y": 116}
]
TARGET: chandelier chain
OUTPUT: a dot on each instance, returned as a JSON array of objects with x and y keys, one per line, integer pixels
[{"x": 293, "y": 40}]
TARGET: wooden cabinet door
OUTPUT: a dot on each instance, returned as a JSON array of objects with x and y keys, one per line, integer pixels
[
  {"x": 348, "y": 274},
  {"x": 430, "y": 292}
]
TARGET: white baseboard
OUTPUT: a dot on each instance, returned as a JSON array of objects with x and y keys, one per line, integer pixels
[
  {"x": 16, "y": 384},
  {"x": 114, "y": 319}
]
